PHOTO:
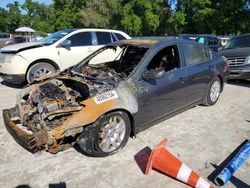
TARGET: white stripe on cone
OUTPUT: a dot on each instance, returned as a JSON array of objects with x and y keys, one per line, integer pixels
[
  {"x": 184, "y": 173},
  {"x": 202, "y": 183}
]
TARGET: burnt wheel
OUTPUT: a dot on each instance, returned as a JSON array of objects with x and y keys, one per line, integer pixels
[
  {"x": 106, "y": 136},
  {"x": 213, "y": 92},
  {"x": 39, "y": 70}
]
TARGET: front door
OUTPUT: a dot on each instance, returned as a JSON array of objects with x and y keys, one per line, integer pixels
[
  {"x": 166, "y": 94},
  {"x": 81, "y": 47}
]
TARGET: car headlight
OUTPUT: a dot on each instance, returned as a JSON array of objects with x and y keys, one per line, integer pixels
[
  {"x": 8, "y": 58},
  {"x": 247, "y": 61}
]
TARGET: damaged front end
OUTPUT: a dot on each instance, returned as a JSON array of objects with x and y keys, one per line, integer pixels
[
  {"x": 54, "y": 111},
  {"x": 43, "y": 108}
]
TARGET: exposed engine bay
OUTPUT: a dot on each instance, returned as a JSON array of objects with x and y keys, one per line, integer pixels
[{"x": 50, "y": 104}]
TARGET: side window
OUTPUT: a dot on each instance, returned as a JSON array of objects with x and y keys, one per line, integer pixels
[
  {"x": 193, "y": 54},
  {"x": 81, "y": 39},
  {"x": 167, "y": 59},
  {"x": 216, "y": 40},
  {"x": 202, "y": 40},
  {"x": 119, "y": 36},
  {"x": 113, "y": 37},
  {"x": 207, "y": 53},
  {"x": 4, "y": 36},
  {"x": 103, "y": 38},
  {"x": 210, "y": 41}
]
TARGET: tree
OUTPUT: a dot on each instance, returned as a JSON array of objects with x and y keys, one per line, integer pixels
[
  {"x": 14, "y": 16},
  {"x": 144, "y": 17},
  {"x": 101, "y": 14}
]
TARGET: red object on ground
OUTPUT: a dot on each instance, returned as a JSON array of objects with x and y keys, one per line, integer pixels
[{"x": 162, "y": 160}]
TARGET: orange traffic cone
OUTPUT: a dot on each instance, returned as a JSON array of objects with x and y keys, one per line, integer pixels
[{"x": 167, "y": 163}]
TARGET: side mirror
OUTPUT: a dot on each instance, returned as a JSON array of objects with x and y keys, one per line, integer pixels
[
  {"x": 153, "y": 74},
  {"x": 66, "y": 43}
]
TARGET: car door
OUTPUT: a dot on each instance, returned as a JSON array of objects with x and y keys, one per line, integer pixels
[
  {"x": 198, "y": 68},
  {"x": 164, "y": 95},
  {"x": 80, "y": 46}
]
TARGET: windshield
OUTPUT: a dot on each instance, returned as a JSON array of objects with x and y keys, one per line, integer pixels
[
  {"x": 51, "y": 39},
  {"x": 111, "y": 60},
  {"x": 238, "y": 42}
]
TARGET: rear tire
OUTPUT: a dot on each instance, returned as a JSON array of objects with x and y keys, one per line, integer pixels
[
  {"x": 106, "y": 136},
  {"x": 39, "y": 70},
  {"x": 213, "y": 92}
]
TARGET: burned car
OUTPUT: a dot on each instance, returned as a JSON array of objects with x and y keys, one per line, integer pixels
[{"x": 102, "y": 101}]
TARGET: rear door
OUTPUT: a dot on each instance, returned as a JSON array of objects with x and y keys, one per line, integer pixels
[{"x": 198, "y": 64}]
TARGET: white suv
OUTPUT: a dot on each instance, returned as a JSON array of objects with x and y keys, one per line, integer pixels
[{"x": 58, "y": 51}]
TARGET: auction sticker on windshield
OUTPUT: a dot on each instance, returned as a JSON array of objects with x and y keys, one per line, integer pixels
[{"x": 105, "y": 97}]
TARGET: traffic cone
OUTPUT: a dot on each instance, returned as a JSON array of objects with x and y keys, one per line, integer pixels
[{"x": 162, "y": 160}]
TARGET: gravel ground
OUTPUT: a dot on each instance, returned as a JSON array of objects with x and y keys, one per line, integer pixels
[{"x": 200, "y": 137}]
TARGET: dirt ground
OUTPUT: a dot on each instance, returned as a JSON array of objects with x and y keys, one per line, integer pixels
[{"x": 200, "y": 137}]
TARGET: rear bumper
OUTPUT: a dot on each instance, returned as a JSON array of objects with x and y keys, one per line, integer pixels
[
  {"x": 30, "y": 141},
  {"x": 241, "y": 72}
]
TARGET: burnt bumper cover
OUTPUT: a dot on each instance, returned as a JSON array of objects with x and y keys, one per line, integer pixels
[{"x": 26, "y": 140}]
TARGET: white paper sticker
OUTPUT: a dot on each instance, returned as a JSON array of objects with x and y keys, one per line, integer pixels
[{"x": 105, "y": 97}]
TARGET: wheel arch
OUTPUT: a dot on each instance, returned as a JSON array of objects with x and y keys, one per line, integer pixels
[
  {"x": 49, "y": 61},
  {"x": 221, "y": 82}
]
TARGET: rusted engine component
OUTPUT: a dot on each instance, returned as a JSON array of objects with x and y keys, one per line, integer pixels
[{"x": 43, "y": 108}]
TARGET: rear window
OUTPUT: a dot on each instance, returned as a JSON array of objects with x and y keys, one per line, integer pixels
[{"x": 103, "y": 38}]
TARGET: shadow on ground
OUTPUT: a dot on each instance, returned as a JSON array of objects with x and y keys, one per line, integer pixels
[
  {"x": 16, "y": 86},
  {"x": 243, "y": 83}
]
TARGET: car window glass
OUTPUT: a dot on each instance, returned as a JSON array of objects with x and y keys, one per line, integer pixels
[
  {"x": 239, "y": 42},
  {"x": 216, "y": 41},
  {"x": 5, "y": 36},
  {"x": 119, "y": 36},
  {"x": 202, "y": 40},
  {"x": 208, "y": 53},
  {"x": 167, "y": 59},
  {"x": 103, "y": 38},
  {"x": 193, "y": 54},
  {"x": 210, "y": 41},
  {"x": 81, "y": 39},
  {"x": 113, "y": 37}
]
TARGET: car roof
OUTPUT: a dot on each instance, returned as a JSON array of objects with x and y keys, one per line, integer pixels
[
  {"x": 96, "y": 29},
  {"x": 206, "y": 35},
  {"x": 247, "y": 34},
  {"x": 147, "y": 41}
]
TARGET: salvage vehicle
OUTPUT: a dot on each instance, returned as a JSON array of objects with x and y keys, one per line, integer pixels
[
  {"x": 98, "y": 104},
  {"x": 237, "y": 51},
  {"x": 58, "y": 51}
]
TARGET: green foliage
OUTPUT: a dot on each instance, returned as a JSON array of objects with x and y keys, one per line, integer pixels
[{"x": 136, "y": 17}]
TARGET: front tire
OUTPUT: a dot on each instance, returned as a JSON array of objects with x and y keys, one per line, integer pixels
[
  {"x": 213, "y": 92},
  {"x": 39, "y": 70},
  {"x": 106, "y": 136}
]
